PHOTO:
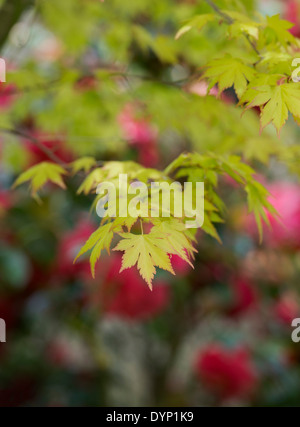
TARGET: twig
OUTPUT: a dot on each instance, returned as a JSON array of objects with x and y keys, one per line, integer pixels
[
  {"x": 252, "y": 44},
  {"x": 224, "y": 15},
  {"x": 230, "y": 21},
  {"x": 49, "y": 153}
]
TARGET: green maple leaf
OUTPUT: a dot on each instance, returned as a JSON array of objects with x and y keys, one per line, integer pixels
[
  {"x": 40, "y": 174},
  {"x": 127, "y": 222},
  {"x": 257, "y": 202},
  {"x": 242, "y": 25},
  {"x": 271, "y": 58},
  {"x": 113, "y": 169},
  {"x": 143, "y": 250},
  {"x": 210, "y": 229},
  {"x": 238, "y": 28},
  {"x": 276, "y": 102},
  {"x": 101, "y": 239},
  {"x": 279, "y": 29},
  {"x": 198, "y": 22},
  {"x": 175, "y": 238},
  {"x": 84, "y": 163},
  {"x": 91, "y": 181},
  {"x": 228, "y": 72}
]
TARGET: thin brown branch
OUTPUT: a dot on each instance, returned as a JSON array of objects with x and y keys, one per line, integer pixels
[
  {"x": 49, "y": 153},
  {"x": 224, "y": 15},
  {"x": 230, "y": 21},
  {"x": 252, "y": 44}
]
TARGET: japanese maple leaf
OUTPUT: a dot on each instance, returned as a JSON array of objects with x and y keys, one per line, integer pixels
[{"x": 145, "y": 251}]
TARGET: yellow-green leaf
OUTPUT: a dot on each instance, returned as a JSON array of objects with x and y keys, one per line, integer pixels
[
  {"x": 91, "y": 181},
  {"x": 84, "y": 163},
  {"x": 144, "y": 251},
  {"x": 228, "y": 72},
  {"x": 40, "y": 174},
  {"x": 276, "y": 102},
  {"x": 99, "y": 240},
  {"x": 198, "y": 22}
]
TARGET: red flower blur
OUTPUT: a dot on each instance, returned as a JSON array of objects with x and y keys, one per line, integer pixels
[
  {"x": 226, "y": 372},
  {"x": 141, "y": 135},
  {"x": 200, "y": 88},
  {"x": 287, "y": 308},
  {"x": 180, "y": 266},
  {"x": 5, "y": 200},
  {"x": 86, "y": 83},
  {"x": 37, "y": 155},
  {"x": 7, "y": 92},
  {"x": 244, "y": 296},
  {"x": 69, "y": 246},
  {"x": 126, "y": 294},
  {"x": 284, "y": 231},
  {"x": 292, "y": 14},
  {"x": 286, "y": 200}
]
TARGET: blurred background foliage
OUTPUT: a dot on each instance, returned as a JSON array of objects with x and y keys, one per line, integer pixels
[{"x": 108, "y": 79}]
